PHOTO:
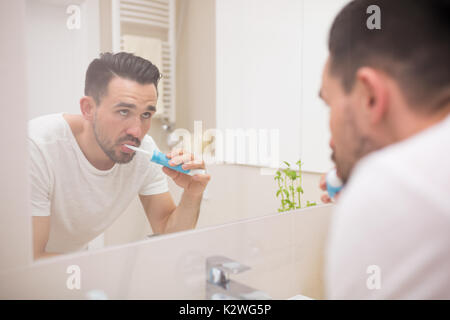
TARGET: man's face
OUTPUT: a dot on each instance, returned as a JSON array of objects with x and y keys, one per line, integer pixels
[
  {"x": 123, "y": 117},
  {"x": 350, "y": 138}
]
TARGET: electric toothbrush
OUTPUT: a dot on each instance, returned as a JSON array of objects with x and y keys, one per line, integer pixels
[
  {"x": 334, "y": 183},
  {"x": 160, "y": 158}
]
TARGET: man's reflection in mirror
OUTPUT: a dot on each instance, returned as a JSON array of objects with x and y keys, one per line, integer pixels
[{"x": 83, "y": 177}]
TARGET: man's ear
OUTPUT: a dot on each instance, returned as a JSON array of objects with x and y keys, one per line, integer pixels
[
  {"x": 87, "y": 106},
  {"x": 373, "y": 95}
]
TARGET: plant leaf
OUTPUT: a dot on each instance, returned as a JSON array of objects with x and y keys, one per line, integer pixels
[
  {"x": 291, "y": 174},
  {"x": 310, "y": 204}
]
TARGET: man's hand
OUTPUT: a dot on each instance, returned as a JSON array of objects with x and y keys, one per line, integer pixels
[
  {"x": 192, "y": 185},
  {"x": 323, "y": 185}
]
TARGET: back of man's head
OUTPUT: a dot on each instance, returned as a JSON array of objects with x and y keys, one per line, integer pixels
[{"x": 412, "y": 46}]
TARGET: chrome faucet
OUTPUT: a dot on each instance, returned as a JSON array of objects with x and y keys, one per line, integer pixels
[{"x": 219, "y": 286}]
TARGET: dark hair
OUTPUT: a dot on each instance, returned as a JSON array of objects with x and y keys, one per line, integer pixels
[
  {"x": 122, "y": 64},
  {"x": 412, "y": 46}
]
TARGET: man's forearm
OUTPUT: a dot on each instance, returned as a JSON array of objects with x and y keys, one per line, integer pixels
[{"x": 185, "y": 216}]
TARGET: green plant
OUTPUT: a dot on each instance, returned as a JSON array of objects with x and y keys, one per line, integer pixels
[{"x": 290, "y": 187}]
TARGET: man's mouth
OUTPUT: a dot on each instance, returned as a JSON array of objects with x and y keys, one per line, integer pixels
[{"x": 124, "y": 149}]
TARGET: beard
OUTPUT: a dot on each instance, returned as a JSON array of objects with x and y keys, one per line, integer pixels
[
  {"x": 343, "y": 169},
  {"x": 353, "y": 146},
  {"x": 111, "y": 148}
]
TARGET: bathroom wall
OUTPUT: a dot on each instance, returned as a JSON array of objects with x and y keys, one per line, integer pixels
[
  {"x": 285, "y": 253},
  {"x": 196, "y": 65},
  {"x": 15, "y": 222},
  {"x": 57, "y": 57}
]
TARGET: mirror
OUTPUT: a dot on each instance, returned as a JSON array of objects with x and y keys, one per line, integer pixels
[{"x": 231, "y": 92}]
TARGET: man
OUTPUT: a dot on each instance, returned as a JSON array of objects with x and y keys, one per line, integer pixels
[
  {"x": 388, "y": 91},
  {"x": 82, "y": 175}
]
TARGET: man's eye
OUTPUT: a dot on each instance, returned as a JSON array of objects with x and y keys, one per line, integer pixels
[
  {"x": 123, "y": 112},
  {"x": 147, "y": 115}
]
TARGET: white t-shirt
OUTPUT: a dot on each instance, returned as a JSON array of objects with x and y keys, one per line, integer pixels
[
  {"x": 390, "y": 232},
  {"x": 81, "y": 200}
]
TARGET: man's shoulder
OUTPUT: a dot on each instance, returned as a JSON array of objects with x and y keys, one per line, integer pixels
[
  {"x": 47, "y": 128},
  {"x": 423, "y": 154},
  {"x": 427, "y": 144},
  {"x": 393, "y": 199},
  {"x": 413, "y": 170}
]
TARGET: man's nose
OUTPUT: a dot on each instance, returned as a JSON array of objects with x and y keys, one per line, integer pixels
[
  {"x": 331, "y": 143},
  {"x": 135, "y": 130}
]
